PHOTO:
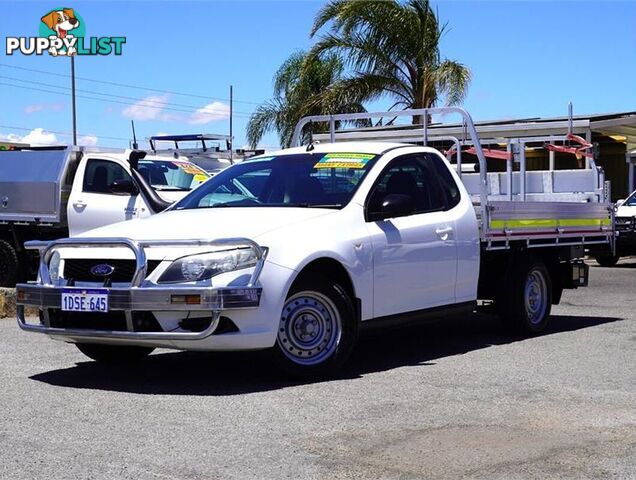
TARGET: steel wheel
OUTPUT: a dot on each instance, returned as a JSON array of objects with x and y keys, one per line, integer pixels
[
  {"x": 310, "y": 328},
  {"x": 536, "y": 297},
  {"x": 525, "y": 298}
]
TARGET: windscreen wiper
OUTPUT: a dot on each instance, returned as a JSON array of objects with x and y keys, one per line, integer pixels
[{"x": 314, "y": 205}]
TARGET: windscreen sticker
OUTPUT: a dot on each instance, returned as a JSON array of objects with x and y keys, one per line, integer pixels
[
  {"x": 344, "y": 160},
  {"x": 200, "y": 177},
  {"x": 189, "y": 168}
]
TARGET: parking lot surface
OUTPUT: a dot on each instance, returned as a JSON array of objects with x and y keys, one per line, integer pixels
[{"x": 458, "y": 399}]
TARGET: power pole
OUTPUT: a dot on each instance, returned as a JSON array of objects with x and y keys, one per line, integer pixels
[
  {"x": 231, "y": 138},
  {"x": 73, "y": 99}
]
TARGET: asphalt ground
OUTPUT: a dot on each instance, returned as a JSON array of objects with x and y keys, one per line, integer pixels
[{"x": 461, "y": 398}]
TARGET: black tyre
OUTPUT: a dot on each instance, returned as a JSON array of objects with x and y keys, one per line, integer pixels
[
  {"x": 317, "y": 330},
  {"x": 114, "y": 354},
  {"x": 9, "y": 264},
  {"x": 526, "y": 299},
  {"x": 607, "y": 260}
]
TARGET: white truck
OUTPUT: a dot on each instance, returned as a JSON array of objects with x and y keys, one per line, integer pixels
[
  {"x": 210, "y": 151},
  {"x": 625, "y": 233},
  {"x": 55, "y": 192},
  {"x": 297, "y": 251}
]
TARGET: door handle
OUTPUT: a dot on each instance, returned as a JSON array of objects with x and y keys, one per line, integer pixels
[
  {"x": 444, "y": 233},
  {"x": 79, "y": 204}
]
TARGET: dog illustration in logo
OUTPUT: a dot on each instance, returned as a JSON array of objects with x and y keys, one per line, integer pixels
[{"x": 61, "y": 22}]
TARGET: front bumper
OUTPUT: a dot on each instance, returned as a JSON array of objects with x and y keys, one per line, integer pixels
[
  {"x": 139, "y": 296},
  {"x": 626, "y": 235},
  {"x": 143, "y": 299}
]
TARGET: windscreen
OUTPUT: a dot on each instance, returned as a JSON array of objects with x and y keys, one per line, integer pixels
[
  {"x": 631, "y": 200},
  {"x": 166, "y": 175},
  {"x": 321, "y": 180}
]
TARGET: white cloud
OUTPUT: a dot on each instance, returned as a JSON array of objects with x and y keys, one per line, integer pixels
[
  {"x": 39, "y": 137},
  {"x": 88, "y": 140},
  {"x": 210, "y": 113},
  {"x": 39, "y": 107},
  {"x": 149, "y": 108},
  {"x": 153, "y": 107},
  {"x": 10, "y": 137}
]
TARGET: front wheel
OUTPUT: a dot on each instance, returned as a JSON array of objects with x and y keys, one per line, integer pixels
[
  {"x": 607, "y": 260},
  {"x": 526, "y": 300},
  {"x": 317, "y": 329},
  {"x": 9, "y": 264},
  {"x": 114, "y": 354}
]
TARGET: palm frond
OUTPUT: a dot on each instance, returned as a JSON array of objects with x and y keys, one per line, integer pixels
[
  {"x": 349, "y": 15},
  {"x": 364, "y": 87},
  {"x": 453, "y": 79},
  {"x": 264, "y": 119},
  {"x": 288, "y": 73}
]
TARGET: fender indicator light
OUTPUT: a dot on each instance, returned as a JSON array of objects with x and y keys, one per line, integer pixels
[{"x": 185, "y": 299}]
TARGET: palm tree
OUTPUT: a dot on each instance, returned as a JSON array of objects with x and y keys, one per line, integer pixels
[
  {"x": 393, "y": 49},
  {"x": 299, "y": 85}
]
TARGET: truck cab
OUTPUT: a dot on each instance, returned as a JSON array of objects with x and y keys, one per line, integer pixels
[
  {"x": 104, "y": 189},
  {"x": 56, "y": 192}
]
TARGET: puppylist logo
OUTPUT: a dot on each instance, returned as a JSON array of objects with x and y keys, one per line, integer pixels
[{"x": 63, "y": 33}]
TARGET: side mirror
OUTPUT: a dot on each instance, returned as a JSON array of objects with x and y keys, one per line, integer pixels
[
  {"x": 620, "y": 202},
  {"x": 124, "y": 187},
  {"x": 393, "y": 206}
]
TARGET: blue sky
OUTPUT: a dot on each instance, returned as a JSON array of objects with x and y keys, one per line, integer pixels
[{"x": 527, "y": 59}]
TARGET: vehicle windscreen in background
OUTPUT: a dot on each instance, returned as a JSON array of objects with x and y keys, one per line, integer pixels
[
  {"x": 326, "y": 180},
  {"x": 167, "y": 175},
  {"x": 631, "y": 200}
]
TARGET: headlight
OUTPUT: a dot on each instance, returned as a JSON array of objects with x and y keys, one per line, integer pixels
[
  {"x": 206, "y": 265},
  {"x": 54, "y": 267}
]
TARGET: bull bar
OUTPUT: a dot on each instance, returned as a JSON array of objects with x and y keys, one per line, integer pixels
[{"x": 47, "y": 294}]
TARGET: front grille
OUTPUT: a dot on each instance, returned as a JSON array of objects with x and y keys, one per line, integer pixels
[
  {"x": 114, "y": 321},
  {"x": 79, "y": 269},
  {"x": 625, "y": 224}
]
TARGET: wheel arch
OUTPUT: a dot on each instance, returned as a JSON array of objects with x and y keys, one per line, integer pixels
[
  {"x": 331, "y": 268},
  {"x": 501, "y": 265}
]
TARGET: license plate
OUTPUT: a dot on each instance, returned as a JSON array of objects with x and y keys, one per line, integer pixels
[{"x": 89, "y": 300}]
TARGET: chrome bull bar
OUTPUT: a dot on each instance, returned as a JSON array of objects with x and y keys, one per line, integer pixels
[
  {"x": 46, "y": 294},
  {"x": 138, "y": 248}
]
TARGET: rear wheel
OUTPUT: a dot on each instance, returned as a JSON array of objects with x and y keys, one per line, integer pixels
[
  {"x": 607, "y": 260},
  {"x": 114, "y": 354},
  {"x": 9, "y": 264},
  {"x": 526, "y": 300},
  {"x": 317, "y": 329}
]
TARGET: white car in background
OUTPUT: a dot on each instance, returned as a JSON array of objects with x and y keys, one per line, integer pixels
[{"x": 626, "y": 232}]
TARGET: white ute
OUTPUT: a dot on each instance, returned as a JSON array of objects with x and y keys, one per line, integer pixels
[{"x": 298, "y": 250}]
